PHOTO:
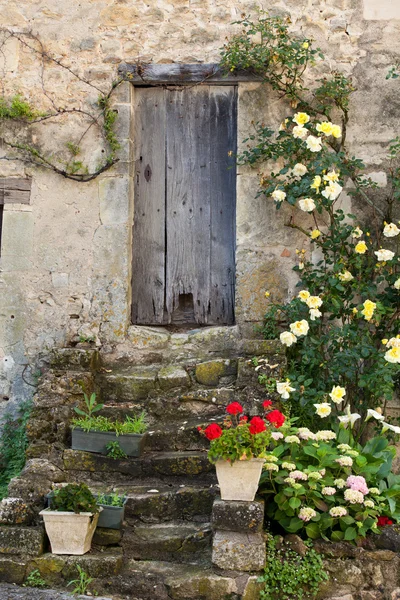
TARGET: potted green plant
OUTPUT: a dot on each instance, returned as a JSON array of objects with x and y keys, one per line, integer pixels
[
  {"x": 239, "y": 449},
  {"x": 93, "y": 433},
  {"x": 113, "y": 505},
  {"x": 71, "y": 520}
]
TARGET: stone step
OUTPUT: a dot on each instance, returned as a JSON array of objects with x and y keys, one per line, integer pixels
[
  {"x": 160, "y": 580},
  {"x": 158, "y": 501},
  {"x": 180, "y": 467},
  {"x": 172, "y": 541}
]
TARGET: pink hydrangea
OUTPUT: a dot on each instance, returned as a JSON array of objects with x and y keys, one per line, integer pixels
[{"x": 358, "y": 483}]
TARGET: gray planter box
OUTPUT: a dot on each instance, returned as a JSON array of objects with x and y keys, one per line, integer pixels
[
  {"x": 111, "y": 517},
  {"x": 96, "y": 441}
]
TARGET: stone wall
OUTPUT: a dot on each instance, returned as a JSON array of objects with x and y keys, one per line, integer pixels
[{"x": 65, "y": 258}]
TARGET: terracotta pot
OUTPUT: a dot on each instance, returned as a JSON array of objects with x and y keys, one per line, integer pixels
[
  {"x": 239, "y": 480},
  {"x": 69, "y": 533}
]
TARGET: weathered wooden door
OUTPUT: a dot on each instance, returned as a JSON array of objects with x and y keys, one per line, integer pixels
[{"x": 184, "y": 199}]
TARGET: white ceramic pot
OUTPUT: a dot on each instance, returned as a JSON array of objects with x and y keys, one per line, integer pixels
[
  {"x": 69, "y": 533},
  {"x": 239, "y": 480}
]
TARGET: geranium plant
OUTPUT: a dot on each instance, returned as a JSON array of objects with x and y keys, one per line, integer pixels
[
  {"x": 341, "y": 330},
  {"x": 241, "y": 437},
  {"x": 326, "y": 485}
]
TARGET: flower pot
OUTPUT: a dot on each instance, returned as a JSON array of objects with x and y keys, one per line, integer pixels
[
  {"x": 96, "y": 441},
  {"x": 69, "y": 533},
  {"x": 239, "y": 480},
  {"x": 111, "y": 517}
]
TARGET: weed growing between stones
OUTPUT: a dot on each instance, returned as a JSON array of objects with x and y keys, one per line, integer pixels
[
  {"x": 81, "y": 583},
  {"x": 34, "y": 579},
  {"x": 13, "y": 444},
  {"x": 291, "y": 576}
]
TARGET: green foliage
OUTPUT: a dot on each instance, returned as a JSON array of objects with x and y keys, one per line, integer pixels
[
  {"x": 344, "y": 343},
  {"x": 34, "y": 579},
  {"x": 74, "y": 497},
  {"x": 115, "y": 451},
  {"x": 73, "y": 148},
  {"x": 18, "y": 109},
  {"x": 134, "y": 424},
  {"x": 81, "y": 583},
  {"x": 13, "y": 444},
  {"x": 311, "y": 475},
  {"x": 393, "y": 72},
  {"x": 111, "y": 499},
  {"x": 237, "y": 442},
  {"x": 289, "y": 576},
  {"x": 91, "y": 406},
  {"x": 266, "y": 48},
  {"x": 110, "y": 117}
]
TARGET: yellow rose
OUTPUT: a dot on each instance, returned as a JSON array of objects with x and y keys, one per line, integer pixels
[
  {"x": 336, "y": 131},
  {"x": 303, "y": 295},
  {"x": 331, "y": 176},
  {"x": 385, "y": 341},
  {"x": 316, "y": 183},
  {"x": 305, "y": 45},
  {"x": 301, "y": 118},
  {"x": 393, "y": 355},
  {"x": 267, "y": 294},
  {"x": 315, "y": 234},
  {"x": 361, "y": 248},
  {"x": 325, "y": 127}
]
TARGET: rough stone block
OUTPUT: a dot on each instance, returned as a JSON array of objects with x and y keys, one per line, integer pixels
[
  {"x": 239, "y": 551},
  {"x": 12, "y": 571},
  {"x": 114, "y": 200},
  {"x": 21, "y": 540},
  {"x": 230, "y": 515},
  {"x": 14, "y": 511},
  {"x": 208, "y": 585},
  {"x": 107, "y": 537},
  {"x": 210, "y": 372},
  {"x": 129, "y": 386},
  {"x": 389, "y": 539},
  {"x": 148, "y": 337},
  {"x": 384, "y": 10},
  {"x": 252, "y": 589},
  {"x": 173, "y": 377},
  {"x": 17, "y": 237}
]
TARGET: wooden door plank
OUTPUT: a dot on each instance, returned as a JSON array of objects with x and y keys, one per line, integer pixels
[
  {"x": 148, "y": 269},
  {"x": 223, "y": 121},
  {"x": 188, "y": 200},
  {"x": 15, "y": 190},
  {"x": 182, "y": 74}
]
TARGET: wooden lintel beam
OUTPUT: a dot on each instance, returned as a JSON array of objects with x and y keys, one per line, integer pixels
[
  {"x": 15, "y": 190},
  {"x": 182, "y": 74}
]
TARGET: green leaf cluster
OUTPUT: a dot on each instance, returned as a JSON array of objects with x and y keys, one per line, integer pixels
[
  {"x": 135, "y": 424},
  {"x": 13, "y": 444},
  {"x": 74, "y": 497},
  {"x": 290, "y": 576},
  {"x": 237, "y": 443},
  {"x": 110, "y": 499},
  {"x": 34, "y": 579},
  {"x": 115, "y": 451}
]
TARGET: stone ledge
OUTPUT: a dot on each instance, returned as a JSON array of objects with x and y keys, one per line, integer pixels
[
  {"x": 14, "y": 540},
  {"x": 245, "y": 517},
  {"x": 239, "y": 551}
]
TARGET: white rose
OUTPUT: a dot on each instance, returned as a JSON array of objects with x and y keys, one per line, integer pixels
[
  {"x": 284, "y": 388},
  {"x": 278, "y": 195},
  {"x": 300, "y": 132},
  {"x": 314, "y": 144},
  {"x": 323, "y": 410},
  {"x": 299, "y": 170},
  {"x": 383, "y": 255},
  {"x": 287, "y": 338},
  {"x": 314, "y": 313},
  {"x": 345, "y": 276},
  {"x": 307, "y": 204},
  {"x": 396, "y": 284},
  {"x": 314, "y": 302},
  {"x": 299, "y": 328},
  {"x": 332, "y": 191},
  {"x": 391, "y": 230}
]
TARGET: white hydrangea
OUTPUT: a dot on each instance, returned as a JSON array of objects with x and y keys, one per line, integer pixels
[
  {"x": 340, "y": 483},
  {"x": 338, "y": 511},
  {"x": 292, "y": 439},
  {"x": 306, "y": 513},
  {"x": 353, "y": 496},
  {"x": 324, "y": 435},
  {"x": 328, "y": 491},
  {"x": 344, "y": 461},
  {"x": 289, "y": 466}
]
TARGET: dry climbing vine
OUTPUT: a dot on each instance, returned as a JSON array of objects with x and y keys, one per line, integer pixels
[{"x": 20, "y": 119}]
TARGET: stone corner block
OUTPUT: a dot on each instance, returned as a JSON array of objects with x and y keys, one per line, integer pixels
[
  {"x": 173, "y": 377},
  {"x": 13, "y": 540},
  {"x": 114, "y": 200},
  {"x": 210, "y": 372},
  {"x": 232, "y": 515},
  {"x": 239, "y": 551}
]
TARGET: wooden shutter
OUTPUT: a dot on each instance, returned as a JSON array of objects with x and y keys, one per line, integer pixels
[{"x": 184, "y": 216}]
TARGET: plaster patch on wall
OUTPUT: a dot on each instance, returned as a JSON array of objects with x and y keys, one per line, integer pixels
[{"x": 381, "y": 10}]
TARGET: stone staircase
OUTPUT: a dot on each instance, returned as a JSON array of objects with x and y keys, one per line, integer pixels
[{"x": 164, "y": 549}]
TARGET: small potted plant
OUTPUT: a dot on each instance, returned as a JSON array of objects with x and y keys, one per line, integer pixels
[
  {"x": 112, "y": 515},
  {"x": 71, "y": 520},
  {"x": 239, "y": 448},
  {"x": 93, "y": 433}
]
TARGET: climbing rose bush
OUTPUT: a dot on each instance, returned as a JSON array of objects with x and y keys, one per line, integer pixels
[
  {"x": 242, "y": 437},
  {"x": 326, "y": 485}
]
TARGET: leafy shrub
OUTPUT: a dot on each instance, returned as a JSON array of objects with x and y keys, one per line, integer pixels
[
  {"x": 74, "y": 497},
  {"x": 326, "y": 485},
  {"x": 13, "y": 444}
]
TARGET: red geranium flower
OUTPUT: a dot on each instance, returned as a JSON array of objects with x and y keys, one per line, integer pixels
[
  {"x": 243, "y": 419},
  {"x": 267, "y": 403},
  {"x": 383, "y": 521},
  {"x": 213, "y": 431},
  {"x": 234, "y": 408},
  {"x": 275, "y": 417},
  {"x": 257, "y": 425}
]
